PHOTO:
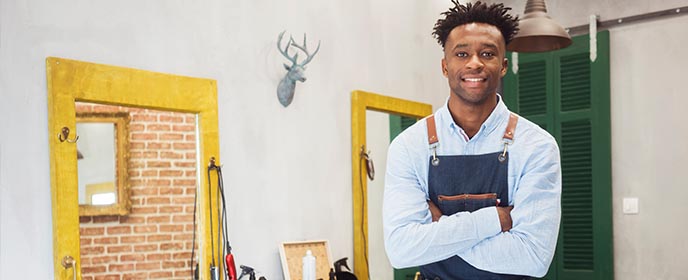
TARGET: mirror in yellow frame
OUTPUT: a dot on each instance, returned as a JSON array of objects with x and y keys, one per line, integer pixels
[
  {"x": 361, "y": 102},
  {"x": 102, "y": 156},
  {"x": 71, "y": 81}
]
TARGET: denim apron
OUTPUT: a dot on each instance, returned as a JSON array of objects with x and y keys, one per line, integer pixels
[{"x": 467, "y": 183}]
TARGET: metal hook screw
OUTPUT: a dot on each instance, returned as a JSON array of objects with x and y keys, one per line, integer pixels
[{"x": 64, "y": 136}]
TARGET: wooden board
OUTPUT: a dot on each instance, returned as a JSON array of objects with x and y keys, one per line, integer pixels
[{"x": 292, "y": 253}]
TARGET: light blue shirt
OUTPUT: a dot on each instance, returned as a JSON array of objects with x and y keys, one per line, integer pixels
[{"x": 412, "y": 239}]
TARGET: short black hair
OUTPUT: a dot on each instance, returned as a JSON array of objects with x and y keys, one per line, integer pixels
[{"x": 495, "y": 14}]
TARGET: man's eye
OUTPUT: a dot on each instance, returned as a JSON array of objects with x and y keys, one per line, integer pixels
[
  {"x": 462, "y": 54},
  {"x": 487, "y": 54}
]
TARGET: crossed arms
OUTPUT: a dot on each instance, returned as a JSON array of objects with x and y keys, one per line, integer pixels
[{"x": 524, "y": 246}]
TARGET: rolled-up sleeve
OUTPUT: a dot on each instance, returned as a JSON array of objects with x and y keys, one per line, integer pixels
[{"x": 411, "y": 238}]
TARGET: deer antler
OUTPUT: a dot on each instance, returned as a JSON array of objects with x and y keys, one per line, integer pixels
[
  {"x": 285, "y": 52},
  {"x": 304, "y": 48}
]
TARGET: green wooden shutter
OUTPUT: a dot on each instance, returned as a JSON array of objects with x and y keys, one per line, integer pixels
[
  {"x": 576, "y": 226},
  {"x": 397, "y": 124},
  {"x": 576, "y": 94},
  {"x": 532, "y": 89}
]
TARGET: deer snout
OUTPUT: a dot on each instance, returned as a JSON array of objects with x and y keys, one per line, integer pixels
[{"x": 297, "y": 74}]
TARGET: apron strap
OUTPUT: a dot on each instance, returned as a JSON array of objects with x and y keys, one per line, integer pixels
[
  {"x": 433, "y": 141},
  {"x": 432, "y": 130},
  {"x": 509, "y": 132},
  {"x": 511, "y": 127},
  {"x": 508, "y": 137}
]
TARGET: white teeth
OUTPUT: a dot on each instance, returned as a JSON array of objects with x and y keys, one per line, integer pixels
[{"x": 473, "y": 79}]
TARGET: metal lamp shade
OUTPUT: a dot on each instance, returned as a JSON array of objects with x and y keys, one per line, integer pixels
[{"x": 538, "y": 32}]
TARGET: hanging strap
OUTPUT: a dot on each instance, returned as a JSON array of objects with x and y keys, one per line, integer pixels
[
  {"x": 433, "y": 140},
  {"x": 509, "y": 134},
  {"x": 511, "y": 127},
  {"x": 432, "y": 130}
]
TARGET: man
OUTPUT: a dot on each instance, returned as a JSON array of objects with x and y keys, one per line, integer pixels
[{"x": 473, "y": 191}]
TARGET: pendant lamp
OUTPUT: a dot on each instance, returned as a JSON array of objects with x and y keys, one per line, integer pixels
[{"x": 538, "y": 32}]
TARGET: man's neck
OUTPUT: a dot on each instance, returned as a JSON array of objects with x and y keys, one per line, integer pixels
[{"x": 470, "y": 116}]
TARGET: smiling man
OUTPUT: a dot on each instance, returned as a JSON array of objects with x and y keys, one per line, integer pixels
[{"x": 473, "y": 191}]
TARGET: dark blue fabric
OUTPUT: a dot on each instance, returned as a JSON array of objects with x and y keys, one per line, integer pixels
[{"x": 466, "y": 174}]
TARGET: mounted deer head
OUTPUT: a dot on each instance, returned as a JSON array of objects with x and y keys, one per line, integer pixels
[{"x": 285, "y": 89}]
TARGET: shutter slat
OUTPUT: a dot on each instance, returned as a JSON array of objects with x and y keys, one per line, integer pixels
[
  {"x": 576, "y": 199},
  {"x": 575, "y": 82},
  {"x": 532, "y": 89}
]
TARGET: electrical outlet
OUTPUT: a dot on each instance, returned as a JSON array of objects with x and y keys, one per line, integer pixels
[{"x": 630, "y": 205}]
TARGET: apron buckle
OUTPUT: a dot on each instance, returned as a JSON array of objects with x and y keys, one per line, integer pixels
[
  {"x": 435, "y": 159},
  {"x": 502, "y": 156}
]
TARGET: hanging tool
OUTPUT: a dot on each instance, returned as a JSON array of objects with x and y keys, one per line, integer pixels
[
  {"x": 340, "y": 274},
  {"x": 247, "y": 270},
  {"x": 370, "y": 167},
  {"x": 230, "y": 267},
  {"x": 213, "y": 268}
]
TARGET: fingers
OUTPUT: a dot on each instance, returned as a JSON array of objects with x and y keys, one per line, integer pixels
[
  {"x": 434, "y": 211},
  {"x": 505, "y": 217}
]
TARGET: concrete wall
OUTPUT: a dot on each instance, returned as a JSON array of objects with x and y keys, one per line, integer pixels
[
  {"x": 287, "y": 170},
  {"x": 290, "y": 168},
  {"x": 648, "y": 132},
  {"x": 648, "y": 125}
]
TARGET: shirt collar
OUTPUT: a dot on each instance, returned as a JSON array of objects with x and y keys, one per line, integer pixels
[{"x": 499, "y": 115}]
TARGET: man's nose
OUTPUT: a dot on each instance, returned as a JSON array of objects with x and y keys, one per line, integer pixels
[{"x": 475, "y": 63}]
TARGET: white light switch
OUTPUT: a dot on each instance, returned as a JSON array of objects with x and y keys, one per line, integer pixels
[{"x": 630, "y": 205}]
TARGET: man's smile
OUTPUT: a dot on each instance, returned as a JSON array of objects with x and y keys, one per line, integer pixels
[
  {"x": 475, "y": 80},
  {"x": 470, "y": 81}
]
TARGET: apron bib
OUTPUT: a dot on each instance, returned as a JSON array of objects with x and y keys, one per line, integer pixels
[{"x": 467, "y": 183}]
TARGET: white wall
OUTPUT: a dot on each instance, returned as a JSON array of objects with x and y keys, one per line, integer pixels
[
  {"x": 648, "y": 132},
  {"x": 648, "y": 148},
  {"x": 575, "y": 13},
  {"x": 287, "y": 170}
]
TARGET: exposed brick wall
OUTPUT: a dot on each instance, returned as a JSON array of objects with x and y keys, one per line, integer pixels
[{"x": 155, "y": 240}]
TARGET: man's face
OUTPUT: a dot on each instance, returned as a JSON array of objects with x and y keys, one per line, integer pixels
[{"x": 474, "y": 61}]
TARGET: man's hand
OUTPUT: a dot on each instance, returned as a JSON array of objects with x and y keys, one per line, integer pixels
[
  {"x": 504, "y": 217},
  {"x": 435, "y": 211}
]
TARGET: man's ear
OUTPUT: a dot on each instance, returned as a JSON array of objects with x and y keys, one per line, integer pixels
[
  {"x": 505, "y": 66},
  {"x": 444, "y": 68}
]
